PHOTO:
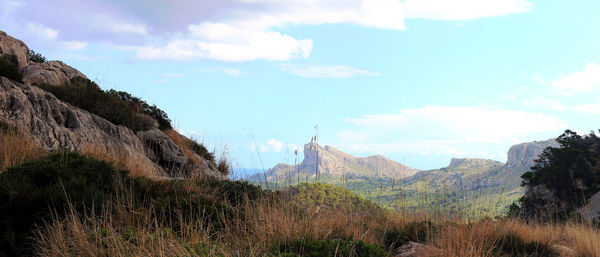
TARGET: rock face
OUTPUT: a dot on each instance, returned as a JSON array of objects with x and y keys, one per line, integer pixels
[
  {"x": 591, "y": 210},
  {"x": 523, "y": 155},
  {"x": 331, "y": 161},
  {"x": 471, "y": 162},
  {"x": 52, "y": 72},
  {"x": 14, "y": 50},
  {"x": 54, "y": 124}
]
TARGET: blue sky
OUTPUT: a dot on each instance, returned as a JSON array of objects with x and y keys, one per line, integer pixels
[{"x": 419, "y": 81}]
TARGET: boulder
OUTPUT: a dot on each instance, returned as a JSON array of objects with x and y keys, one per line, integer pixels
[
  {"x": 53, "y": 72},
  {"x": 163, "y": 151},
  {"x": 411, "y": 249},
  {"x": 13, "y": 50}
]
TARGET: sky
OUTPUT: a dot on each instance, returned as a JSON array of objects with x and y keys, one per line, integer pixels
[{"x": 418, "y": 81}]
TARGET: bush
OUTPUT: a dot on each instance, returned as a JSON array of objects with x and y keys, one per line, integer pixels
[
  {"x": 41, "y": 189},
  {"x": 31, "y": 193},
  {"x": 10, "y": 71},
  {"x": 201, "y": 150},
  {"x": 117, "y": 107},
  {"x": 36, "y": 57},
  {"x": 571, "y": 171},
  {"x": 513, "y": 245},
  {"x": 331, "y": 248}
]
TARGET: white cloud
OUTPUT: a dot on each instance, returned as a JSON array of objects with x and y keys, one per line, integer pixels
[
  {"x": 444, "y": 130},
  {"x": 50, "y": 37},
  {"x": 228, "y": 71},
  {"x": 546, "y": 103},
  {"x": 585, "y": 81},
  {"x": 229, "y": 43},
  {"x": 246, "y": 32},
  {"x": 129, "y": 28},
  {"x": 42, "y": 31},
  {"x": 463, "y": 9},
  {"x": 587, "y": 108},
  {"x": 324, "y": 71},
  {"x": 275, "y": 145}
]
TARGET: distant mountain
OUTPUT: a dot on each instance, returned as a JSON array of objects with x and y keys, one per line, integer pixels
[
  {"x": 334, "y": 163},
  {"x": 480, "y": 186}
]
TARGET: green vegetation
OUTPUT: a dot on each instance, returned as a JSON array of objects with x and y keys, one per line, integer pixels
[
  {"x": 42, "y": 189},
  {"x": 571, "y": 172},
  {"x": 513, "y": 245},
  {"x": 36, "y": 57},
  {"x": 10, "y": 70},
  {"x": 472, "y": 190},
  {"x": 331, "y": 248},
  {"x": 328, "y": 197},
  {"x": 120, "y": 108}
]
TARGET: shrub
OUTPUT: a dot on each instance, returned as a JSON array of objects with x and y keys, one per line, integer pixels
[
  {"x": 514, "y": 245},
  {"x": 224, "y": 166},
  {"x": 331, "y": 248},
  {"x": 10, "y": 70},
  {"x": 36, "y": 57},
  {"x": 41, "y": 189},
  {"x": 117, "y": 107}
]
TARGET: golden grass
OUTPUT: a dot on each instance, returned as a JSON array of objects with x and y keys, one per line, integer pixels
[
  {"x": 180, "y": 140},
  {"x": 16, "y": 148},
  {"x": 138, "y": 166},
  {"x": 259, "y": 227}
]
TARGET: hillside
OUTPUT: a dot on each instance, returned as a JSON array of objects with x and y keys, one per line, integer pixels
[
  {"x": 61, "y": 109},
  {"x": 332, "y": 162},
  {"x": 468, "y": 187}
]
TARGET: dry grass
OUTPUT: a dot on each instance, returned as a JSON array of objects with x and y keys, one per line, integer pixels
[
  {"x": 16, "y": 148},
  {"x": 122, "y": 230},
  {"x": 138, "y": 166},
  {"x": 180, "y": 140}
]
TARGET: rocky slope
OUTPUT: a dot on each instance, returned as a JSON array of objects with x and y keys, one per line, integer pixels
[
  {"x": 524, "y": 154},
  {"x": 333, "y": 162},
  {"x": 54, "y": 124}
]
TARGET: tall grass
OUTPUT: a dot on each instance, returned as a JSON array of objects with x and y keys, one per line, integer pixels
[
  {"x": 138, "y": 166},
  {"x": 262, "y": 227},
  {"x": 16, "y": 147}
]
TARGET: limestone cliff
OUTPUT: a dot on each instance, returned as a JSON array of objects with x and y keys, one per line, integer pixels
[{"x": 333, "y": 162}]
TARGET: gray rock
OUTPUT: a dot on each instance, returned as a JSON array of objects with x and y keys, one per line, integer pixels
[
  {"x": 592, "y": 209},
  {"x": 13, "y": 50},
  {"x": 52, "y": 72},
  {"x": 161, "y": 150},
  {"x": 411, "y": 249},
  {"x": 54, "y": 124},
  {"x": 524, "y": 154}
]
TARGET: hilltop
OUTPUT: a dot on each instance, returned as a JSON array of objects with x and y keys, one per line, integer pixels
[
  {"x": 467, "y": 186},
  {"x": 332, "y": 162}
]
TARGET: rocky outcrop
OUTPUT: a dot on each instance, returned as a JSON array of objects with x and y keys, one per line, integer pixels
[
  {"x": 591, "y": 210},
  {"x": 524, "y": 154},
  {"x": 54, "y": 124},
  {"x": 53, "y": 72},
  {"x": 330, "y": 161},
  {"x": 14, "y": 50},
  {"x": 471, "y": 163}
]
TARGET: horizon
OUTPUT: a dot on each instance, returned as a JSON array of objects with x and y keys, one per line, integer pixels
[{"x": 417, "y": 81}]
